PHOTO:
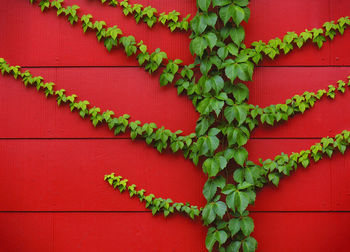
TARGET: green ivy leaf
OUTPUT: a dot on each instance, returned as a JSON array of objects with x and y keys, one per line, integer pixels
[
  {"x": 203, "y": 4},
  {"x": 211, "y": 39},
  {"x": 210, "y": 187},
  {"x": 220, "y": 208},
  {"x": 221, "y": 2},
  {"x": 208, "y": 214},
  {"x": 238, "y": 200},
  {"x": 225, "y": 13},
  {"x": 234, "y": 226},
  {"x": 240, "y": 155},
  {"x": 210, "y": 239},
  {"x": 238, "y": 15},
  {"x": 109, "y": 43},
  {"x": 234, "y": 246},
  {"x": 247, "y": 225},
  {"x": 198, "y": 24},
  {"x": 237, "y": 35},
  {"x": 244, "y": 71},
  {"x": 239, "y": 112},
  {"x": 198, "y": 45},
  {"x": 221, "y": 237},
  {"x": 240, "y": 92},
  {"x": 249, "y": 244}
]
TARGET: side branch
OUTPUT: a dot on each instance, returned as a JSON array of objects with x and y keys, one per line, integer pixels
[
  {"x": 317, "y": 35},
  {"x": 167, "y": 206},
  {"x": 149, "y": 15},
  {"x": 113, "y": 36},
  {"x": 297, "y": 104},
  {"x": 160, "y": 138},
  {"x": 273, "y": 170}
]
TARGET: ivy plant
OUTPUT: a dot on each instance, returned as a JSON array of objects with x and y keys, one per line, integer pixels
[{"x": 217, "y": 83}]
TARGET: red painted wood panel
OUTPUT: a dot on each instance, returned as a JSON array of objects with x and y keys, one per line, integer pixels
[
  {"x": 275, "y": 85},
  {"x": 123, "y": 90},
  {"x": 67, "y": 175},
  {"x": 326, "y": 232},
  {"x": 51, "y": 41},
  {"x": 98, "y": 232},
  {"x": 31, "y": 232},
  {"x": 63, "y": 174},
  {"x": 301, "y": 232},
  {"x": 133, "y": 91}
]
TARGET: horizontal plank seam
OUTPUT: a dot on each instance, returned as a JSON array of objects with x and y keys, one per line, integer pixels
[
  {"x": 127, "y": 138},
  {"x": 280, "y": 66},
  {"x": 263, "y": 211}
]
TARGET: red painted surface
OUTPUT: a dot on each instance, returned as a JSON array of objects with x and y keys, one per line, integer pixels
[{"x": 52, "y": 163}]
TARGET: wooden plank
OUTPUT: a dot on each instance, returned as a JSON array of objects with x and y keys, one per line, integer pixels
[
  {"x": 67, "y": 175},
  {"x": 275, "y": 85},
  {"x": 123, "y": 90},
  {"x": 275, "y": 232},
  {"x": 127, "y": 232},
  {"x": 271, "y": 19},
  {"x": 305, "y": 190},
  {"x": 132, "y": 91},
  {"x": 31, "y": 232},
  {"x": 50, "y": 41},
  {"x": 340, "y": 8},
  {"x": 312, "y": 232},
  {"x": 340, "y": 185}
]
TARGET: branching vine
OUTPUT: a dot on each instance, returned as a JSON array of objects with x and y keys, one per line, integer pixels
[{"x": 219, "y": 94}]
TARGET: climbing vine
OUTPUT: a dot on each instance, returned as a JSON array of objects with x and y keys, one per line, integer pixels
[{"x": 217, "y": 84}]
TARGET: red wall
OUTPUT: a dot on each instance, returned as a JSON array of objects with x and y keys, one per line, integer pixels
[{"x": 52, "y": 163}]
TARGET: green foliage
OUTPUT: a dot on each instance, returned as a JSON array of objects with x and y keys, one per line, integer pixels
[
  {"x": 167, "y": 206},
  {"x": 149, "y": 15},
  {"x": 226, "y": 120}
]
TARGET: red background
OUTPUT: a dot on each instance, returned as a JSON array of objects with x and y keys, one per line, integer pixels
[{"x": 52, "y": 163}]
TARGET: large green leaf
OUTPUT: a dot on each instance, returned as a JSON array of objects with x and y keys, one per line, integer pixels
[
  {"x": 211, "y": 39},
  {"x": 240, "y": 92},
  {"x": 210, "y": 239},
  {"x": 225, "y": 13},
  {"x": 238, "y": 200},
  {"x": 249, "y": 244},
  {"x": 247, "y": 225},
  {"x": 198, "y": 45},
  {"x": 240, "y": 155},
  {"x": 221, "y": 237},
  {"x": 198, "y": 24},
  {"x": 238, "y": 14},
  {"x": 208, "y": 214},
  {"x": 210, "y": 187},
  {"x": 234, "y": 226},
  {"x": 244, "y": 71},
  {"x": 237, "y": 35},
  {"x": 220, "y": 208},
  {"x": 204, "y": 4},
  {"x": 234, "y": 246},
  {"x": 221, "y": 2}
]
